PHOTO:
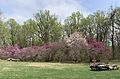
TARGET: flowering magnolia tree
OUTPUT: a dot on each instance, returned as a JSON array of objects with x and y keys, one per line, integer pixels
[
  {"x": 78, "y": 46},
  {"x": 98, "y": 50}
]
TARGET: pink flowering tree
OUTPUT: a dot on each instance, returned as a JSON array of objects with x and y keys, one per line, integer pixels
[{"x": 98, "y": 50}]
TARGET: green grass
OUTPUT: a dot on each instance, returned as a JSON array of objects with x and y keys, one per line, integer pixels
[{"x": 37, "y": 70}]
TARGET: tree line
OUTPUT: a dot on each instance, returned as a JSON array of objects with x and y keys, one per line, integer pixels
[{"x": 45, "y": 27}]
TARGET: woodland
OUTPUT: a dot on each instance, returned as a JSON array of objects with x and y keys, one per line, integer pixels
[{"x": 77, "y": 39}]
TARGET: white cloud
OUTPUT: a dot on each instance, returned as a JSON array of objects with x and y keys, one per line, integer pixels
[
  {"x": 18, "y": 18},
  {"x": 24, "y": 9},
  {"x": 62, "y": 10}
]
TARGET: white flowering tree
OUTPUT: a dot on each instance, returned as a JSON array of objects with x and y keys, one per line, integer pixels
[{"x": 78, "y": 46}]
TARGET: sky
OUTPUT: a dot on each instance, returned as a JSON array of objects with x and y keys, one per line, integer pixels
[{"x": 21, "y": 10}]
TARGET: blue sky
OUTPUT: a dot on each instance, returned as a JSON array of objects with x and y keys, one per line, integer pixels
[{"x": 22, "y": 10}]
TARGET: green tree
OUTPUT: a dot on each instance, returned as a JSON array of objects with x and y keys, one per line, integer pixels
[
  {"x": 72, "y": 23},
  {"x": 4, "y": 32},
  {"x": 48, "y": 27},
  {"x": 13, "y": 27},
  {"x": 29, "y": 29}
]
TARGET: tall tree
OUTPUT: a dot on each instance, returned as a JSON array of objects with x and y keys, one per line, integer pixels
[
  {"x": 13, "y": 28},
  {"x": 117, "y": 31},
  {"x": 99, "y": 24},
  {"x": 87, "y": 25},
  {"x": 4, "y": 32},
  {"x": 112, "y": 20},
  {"x": 29, "y": 28},
  {"x": 72, "y": 23},
  {"x": 46, "y": 22}
]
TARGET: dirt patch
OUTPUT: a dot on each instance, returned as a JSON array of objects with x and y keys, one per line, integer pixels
[
  {"x": 6, "y": 69},
  {"x": 50, "y": 65}
]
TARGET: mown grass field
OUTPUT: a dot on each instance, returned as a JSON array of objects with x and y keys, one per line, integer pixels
[{"x": 37, "y": 70}]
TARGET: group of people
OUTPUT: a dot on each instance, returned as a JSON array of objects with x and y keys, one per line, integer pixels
[{"x": 97, "y": 65}]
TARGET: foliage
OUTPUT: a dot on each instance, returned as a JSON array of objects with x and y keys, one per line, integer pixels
[
  {"x": 46, "y": 28},
  {"x": 73, "y": 48},
  {"x": 72, "y": 23},
  {"x": 26, "y": 54},
  {"x": 98, "y": 50}
]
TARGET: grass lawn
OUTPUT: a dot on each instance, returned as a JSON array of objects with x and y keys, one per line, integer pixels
[{"x": 37, "y": 70}]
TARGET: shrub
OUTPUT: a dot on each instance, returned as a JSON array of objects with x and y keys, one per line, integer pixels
[
  {"x": 98, "y": 50},
  {"x": 74, "y": 48}
]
